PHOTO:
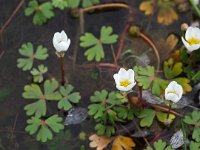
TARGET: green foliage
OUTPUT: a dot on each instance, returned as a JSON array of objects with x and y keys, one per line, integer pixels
[
  {"x": 85, "y": 3},
  {"x": 95, "y": 45},
  {"x": 146, "y": 78},
  {"x": 194, "y": 120},
  {"x": 33, "y": 91},
  {"x": 107, "y": 109},
  {"x": 42, "y": 12},
  {"x": 68, "y": 97},
  {"x": 159, "y": 145},
  {"x": 194, "y": 145},
  {"x": 44, "y": 128},
  {"x": 38, "y": 73},
  {"x": 61, "y": 4},
  {"x": 146, "y": 116},
  {"x": 196, "y": 77},
  {"x": 172, "y": 69},
  {"x": 27, "y": 51}
]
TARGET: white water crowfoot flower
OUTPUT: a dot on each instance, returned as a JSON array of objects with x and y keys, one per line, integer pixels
[
  {"x": 124, "y": 79},
  {"x": 61, "y": 43},
  {"x": 173, "y": 92},
  {"x": 192, "y": 39}
]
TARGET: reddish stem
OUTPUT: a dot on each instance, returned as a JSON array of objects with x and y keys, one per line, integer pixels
[
  {"x": 109, "y": 65},
  {"x": 11, "y": 16}
]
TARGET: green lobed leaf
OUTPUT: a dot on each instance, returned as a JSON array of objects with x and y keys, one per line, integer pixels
[
  {"x": 96, "y": 110},
  {"x": 194, "y": 145},
  {"x": 88, "y": 3},
  {"x": 184, "y": 82},
  {"x": 41, "y": 53},
  {"x": 104, "y": 129},
  {"x": 41, "y": 12},
  {"x": 68, "y": 97},
  {"x": 50, "y": 92},
  {"x": 73, "y": 3},
  {"x": 44, "y": 128},
  {"x": 147, "y": 116},
  {"x": 95, "y": 48},
  {"x": 38, "y": 73},
  {"x": 32, "y": 91},
  {"x": 158, "y": 86},
  {"x": 172, "y": 69},
  {"x": 38, "y": 108},
  {"x": 193, "y": 118},
  {"x": 159, "y": 145},
  {"x": 61, "y": 4},
  {"x": 196, "y": 134},
  {"x": 196, "y": 77},
  {"x": 106, "y": 35}
]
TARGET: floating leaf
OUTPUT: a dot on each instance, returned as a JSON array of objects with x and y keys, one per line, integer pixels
[
  {"x": 60, "y": 3},
  {"x": 172, "y": 69},
  {"x": 96, "y": 50},
  {"x": 68, "y": 97},
  {"x": 76, "y": 116},
  {"x": 42, "y": 12},
  {"x": 38, "y": 73},
  {"x": 147, "y": 116},
  {"x": 145, "y": 76},
  {"x": 99, "y": 142},
  {"x": 123, "y": 142},
  {"x": 44, "y": 128},
  {"x": 27, "y": 51},
  {"x": 159, "y": 145},
  {"x": 33, "y": 91}
]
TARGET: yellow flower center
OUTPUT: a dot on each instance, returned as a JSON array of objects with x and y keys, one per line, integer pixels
[
  {"x": 193, "y": 41},
  {"x": 125, "y": 83}
]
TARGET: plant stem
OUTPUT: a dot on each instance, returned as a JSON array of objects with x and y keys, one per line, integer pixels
[
  {"x": 62, "y": 71},
  {"x": 101, "y": 6},
  {"x": 152, "y": 44},
  {"x": 12, "y": 15},
  {"x": 195, "y": 6},
  {"x": 184, "y": 134},
  {"x": 170, "y": 107}
]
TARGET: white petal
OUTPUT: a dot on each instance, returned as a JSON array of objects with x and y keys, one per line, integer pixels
[
  {"x": 123, "y": 74},
  {"x": 131, "y": 75},
  {"x": 116, "y": 78},
  {"x": 185, "y": 42},
  {"x": 172, "y": 97},
  {"x": 179, "y": 91},
  {"x": 193, "y": 47},
  {"x": 196, "y": 33},
  {"x": 63, "y": 36},
  {"x": 188, "y": 33}
]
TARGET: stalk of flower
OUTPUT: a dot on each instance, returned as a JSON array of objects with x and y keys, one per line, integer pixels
[
  {"x": 192, "y": 39},
  {"x": 173, "y": 94},
  {"x": 124, "y": 81},
  {"x": 61, "y": 43}
]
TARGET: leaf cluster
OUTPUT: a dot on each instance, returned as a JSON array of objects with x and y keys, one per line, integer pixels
[
  {"x": 159, "y": 145},
  {"x": 38, "y": 73},
  {"x": 107, "y": 109},
  {"x": 95, "y": 45}
]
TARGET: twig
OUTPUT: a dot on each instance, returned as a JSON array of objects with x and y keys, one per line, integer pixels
[
  {"x": 166, "y": 110},
  {"x": 102, "y": 6},
  {"x": 151, "y": 43},
  {"x": 11, "y": 16},
  {"x": 13, "y": 129},
  {"x": 122, "y": 37},
  {"x": 109, "y": 65},
  {"x": 114, "y": 56}
]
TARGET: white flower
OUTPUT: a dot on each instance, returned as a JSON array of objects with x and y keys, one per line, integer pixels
[
  {"x": 192, "y": 39},
  {"x": 61, "y": 42},
  {"x": 124, "y": 79},
  {"x": 173, "y": 92}
]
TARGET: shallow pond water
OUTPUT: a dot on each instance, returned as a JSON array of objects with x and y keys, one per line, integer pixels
[{"x": 12, "y": 79}]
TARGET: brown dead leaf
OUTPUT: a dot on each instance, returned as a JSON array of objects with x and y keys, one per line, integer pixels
[
  {"x": 99, "y": 142},
  {"x": 167, "y": 16},
  {"x": 147, "y": 7},
  {"x": 123, "y": 143},
  {"x": 172, "y": 41}
]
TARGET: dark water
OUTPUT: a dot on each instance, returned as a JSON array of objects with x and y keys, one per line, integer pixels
[{"x": 21, "y": 30}]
